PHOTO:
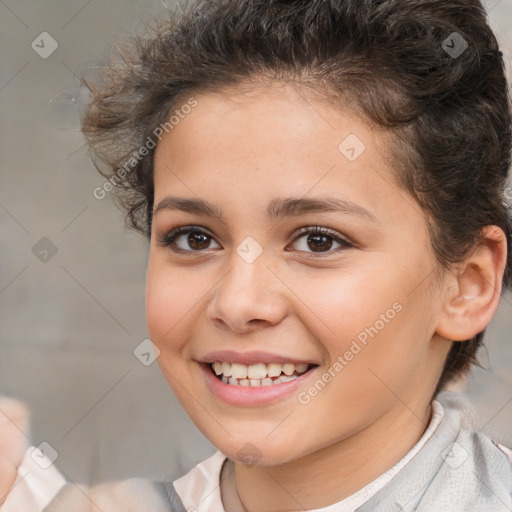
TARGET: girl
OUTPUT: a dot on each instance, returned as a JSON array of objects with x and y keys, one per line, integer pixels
[{"x": 323, "y": 188}]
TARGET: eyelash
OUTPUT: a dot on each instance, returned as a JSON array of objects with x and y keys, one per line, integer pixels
[{"x": 169, "y": 239}]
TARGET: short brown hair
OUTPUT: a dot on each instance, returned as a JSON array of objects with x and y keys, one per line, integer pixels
[{"x": 450, "y": 113}]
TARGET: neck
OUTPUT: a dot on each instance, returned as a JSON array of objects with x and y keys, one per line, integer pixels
[{"x": 334, "y": 472}]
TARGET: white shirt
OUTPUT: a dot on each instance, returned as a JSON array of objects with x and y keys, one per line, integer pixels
[{"x": 38, "y": 481}]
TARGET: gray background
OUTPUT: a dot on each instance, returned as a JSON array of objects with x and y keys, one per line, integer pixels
[{"x": 69, "y": 325}]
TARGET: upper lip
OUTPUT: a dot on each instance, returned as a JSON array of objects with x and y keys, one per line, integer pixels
[{"x": 248, "y": 358}]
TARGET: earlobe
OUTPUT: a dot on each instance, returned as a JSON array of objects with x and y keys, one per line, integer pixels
[{"x": 472, "y": 296}]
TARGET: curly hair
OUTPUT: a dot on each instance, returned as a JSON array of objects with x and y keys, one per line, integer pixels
[{"x": 449, "y": 113}]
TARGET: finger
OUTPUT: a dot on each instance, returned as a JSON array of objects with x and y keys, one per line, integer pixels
[
  {"x": 14, "y": 424},
  {"x": 8, "y": 474}
]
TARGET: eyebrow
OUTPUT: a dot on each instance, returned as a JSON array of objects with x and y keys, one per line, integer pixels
[{"x": 276, "y": 209}]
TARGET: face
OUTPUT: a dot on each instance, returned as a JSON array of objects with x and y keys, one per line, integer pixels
[{"x": 298, "y": 248}]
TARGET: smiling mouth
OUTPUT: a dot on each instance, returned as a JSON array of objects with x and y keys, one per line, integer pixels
[{"x": 260, "y": 374}]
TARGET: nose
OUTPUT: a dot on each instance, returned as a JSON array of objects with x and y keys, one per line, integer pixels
[{"x": 249, "y": 297}]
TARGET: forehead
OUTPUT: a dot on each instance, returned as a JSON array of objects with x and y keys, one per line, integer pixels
[
  {"x": 267, "y": 122},
  {"x": 273, "y": 140}
]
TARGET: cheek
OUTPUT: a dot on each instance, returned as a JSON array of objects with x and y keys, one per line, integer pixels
[
  {"x": 371, "y": 323},
  {"x": 164, "y": 304},
  {"x": 345, "y": 305}
]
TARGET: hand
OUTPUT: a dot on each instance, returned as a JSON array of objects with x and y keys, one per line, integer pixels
[{"x": 14, "y": 424}]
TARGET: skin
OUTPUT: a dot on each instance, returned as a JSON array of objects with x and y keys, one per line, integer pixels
[
  {"x": 14, "y": 422},
  {"x": 239, "y": 151}
]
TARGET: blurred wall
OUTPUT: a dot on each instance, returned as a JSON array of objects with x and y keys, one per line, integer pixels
[{"x": 72, "y": 279}]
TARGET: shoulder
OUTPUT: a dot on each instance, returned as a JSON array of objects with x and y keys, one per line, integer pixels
[
  {"x": 481, "y": 467},
  {"x": 469, "y": 470},
  {"x": 130, "y": 495},
  {"x": 200, "y": 484},
  {"x": 488, "y": 456},
  {"x": 467, "y": 419}
]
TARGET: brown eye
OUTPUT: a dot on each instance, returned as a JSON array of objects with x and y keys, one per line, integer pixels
[
  {"x": 187, "y": 239},
  {"x": 197, "y": 241},
  {"x": 320, "y": 240}
]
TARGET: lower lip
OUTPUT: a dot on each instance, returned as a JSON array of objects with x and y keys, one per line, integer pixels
[{"x": 250, "y": 396}]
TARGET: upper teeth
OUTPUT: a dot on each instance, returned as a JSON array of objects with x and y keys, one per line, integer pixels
[{"x": 257, "y": 371}]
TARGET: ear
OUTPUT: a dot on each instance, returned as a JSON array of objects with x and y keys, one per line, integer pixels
[{"x": 472, "y": 296}]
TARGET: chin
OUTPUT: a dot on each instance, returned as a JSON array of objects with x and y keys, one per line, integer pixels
[{"x": 254, "y": 451}]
